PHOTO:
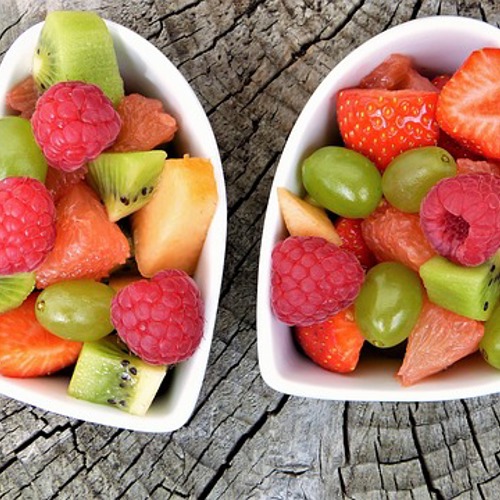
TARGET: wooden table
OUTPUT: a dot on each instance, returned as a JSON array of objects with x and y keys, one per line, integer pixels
[{"x": 253, "y": 64}]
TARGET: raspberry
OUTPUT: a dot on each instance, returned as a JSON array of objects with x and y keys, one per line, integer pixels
[
  {"x": 160, "y": 320},
  {"x": 460, "y": 216},
  {"x": 312, "y": 279},
  {"x": 27, "y": 224},
  {"x": 73, "y": 123}
]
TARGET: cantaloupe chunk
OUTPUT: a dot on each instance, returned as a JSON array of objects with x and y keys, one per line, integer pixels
[
  {"x": 169, "y": 232},
  {"x": 303, "y": 219}
]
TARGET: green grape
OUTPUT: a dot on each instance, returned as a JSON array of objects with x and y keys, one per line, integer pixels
[
  {"x": 20, "y": 155},
  {"x": 410, "y": 176},
  {"x": 76, "y": 310},
  {"x": 490, "y": 343},
  {"x": 343, "y": 181},
  {"x": 388, "y": 304}
]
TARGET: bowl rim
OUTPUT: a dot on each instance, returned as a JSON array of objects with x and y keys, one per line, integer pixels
[
  {"x": 273, "y": 375},
  {"x": 182, "y": 408}
]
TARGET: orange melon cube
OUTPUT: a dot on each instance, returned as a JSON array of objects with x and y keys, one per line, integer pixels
[
  {"x": 169, "y": 232},
  {"x": 304, "y": 219}
]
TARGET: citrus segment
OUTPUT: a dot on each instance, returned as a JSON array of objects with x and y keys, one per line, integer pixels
[
  {"x": 145, "y": 124},
  {"x": 23, "y": 96},
  {"x": 393, "y": 235},
  {"x": 87, "y": 244},
  {"x": 439, "y": 339}
]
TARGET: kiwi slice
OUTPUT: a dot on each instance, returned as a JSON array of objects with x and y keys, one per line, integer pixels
[
  {"x": 77, "y": 46},
  {"x": 126, "y": 181},
  {"x": 20, "y": 155},
  {"x": 469, "y": 291},
  {"x": 14, "y": 290},
  {"x": 106, "y": 373}
]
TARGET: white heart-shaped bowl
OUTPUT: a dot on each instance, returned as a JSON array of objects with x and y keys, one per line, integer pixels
[
  {"x": 144, "y": 69},
  {"x": 438, "y": 45}
]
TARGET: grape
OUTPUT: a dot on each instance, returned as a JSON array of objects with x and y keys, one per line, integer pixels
[
  {"x": 490, "y": 343},
  {"x": 20, "y": 155},
  {"x": 410, "y": 176},
  {"x": 389, "y": 304},
  {"x": 76, "y": 310},
  {"x": 343, "y": 181}
]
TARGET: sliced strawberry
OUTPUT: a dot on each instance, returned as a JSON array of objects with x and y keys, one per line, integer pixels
[
  {"x": 334, "y": 344},
  {"x": 440, "y": 81},
  {"x": 454, "y": 147},
  {"x": 27, "y": 349},
  {"x": 469, "y": 104},
  {"x": 381, "y": 124},
  {"x": 350, "y": 233}
]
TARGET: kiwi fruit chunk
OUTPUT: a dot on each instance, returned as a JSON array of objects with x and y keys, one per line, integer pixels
[
  {"x": 20, "y": 155},
  {"x": 14, "y": 290},
  {"x": 126, "y": 181},
  {"x": 77, "y": 46},
  {"x": 469, "y": 291},
  {"x": 106, "y": 373}
]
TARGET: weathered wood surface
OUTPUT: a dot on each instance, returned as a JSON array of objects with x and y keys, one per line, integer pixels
[{"x": 253, "y": 64}]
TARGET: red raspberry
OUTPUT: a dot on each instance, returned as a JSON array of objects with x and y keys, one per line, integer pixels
[
  {"x": 460, "y": 216},
  {"x": 27, "y": 224},
  {"x": 73, "y": 123},
  {"x": 312, "y": 279},
  {"x": 160, "y": 320}
]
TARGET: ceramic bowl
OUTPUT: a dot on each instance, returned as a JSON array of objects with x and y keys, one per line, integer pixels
[
  {"x": 437, "y": 45},
  {"x": 144, "y": 69}
]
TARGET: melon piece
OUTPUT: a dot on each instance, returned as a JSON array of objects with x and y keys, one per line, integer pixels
[
  {"x": 169, "y": 232},
  {"x": 303, "y": 219}
]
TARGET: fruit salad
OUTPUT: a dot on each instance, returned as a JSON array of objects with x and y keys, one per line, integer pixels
[
  {"x": 395, "y": 246},
  {"x": 96, "y": 264}
]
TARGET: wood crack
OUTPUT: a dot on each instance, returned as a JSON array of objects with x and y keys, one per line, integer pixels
[
  {"x": 12, "y": 25},
  {"x": 253, "y": 430}
]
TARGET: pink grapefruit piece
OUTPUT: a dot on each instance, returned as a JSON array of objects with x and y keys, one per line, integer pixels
[
  {"x": 439, "y": 339},
  {"x": 87, "y": 244}
]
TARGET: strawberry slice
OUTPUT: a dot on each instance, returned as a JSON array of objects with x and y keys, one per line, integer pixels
[
  {"x": 454, "y": 147},
  {"x": 381, "y": 124},
  {"x": 469, "y": 104},
  {"x": 440, "y": 81},
  {"x": 27, "y": 349},
  {"x": 334, "y": 344},
  {"x": 351, "y": 235}
]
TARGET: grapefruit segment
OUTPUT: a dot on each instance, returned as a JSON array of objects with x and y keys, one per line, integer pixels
[
  {"x": 145, "y": 124},
  {"x": 23, "y": 96},
  {"x": 393, "y": 235},
  {"x": 87, "y": 244},
  {"x": 439, "y": 339}
]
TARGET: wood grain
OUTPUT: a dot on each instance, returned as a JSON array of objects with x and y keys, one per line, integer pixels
[{"x": 253, "y": 64}]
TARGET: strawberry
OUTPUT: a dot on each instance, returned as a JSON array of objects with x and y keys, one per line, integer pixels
[
  {"x": 440, "y": 81},
  {"x": 381, "y": 124},
  {"x": 27, "y": 349},
  {"x": 334, "y": 344},
  {"x": 454, "y": 147},
  {"x": 468, "y": 107},
  {"x": 350, "y": 233}
]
